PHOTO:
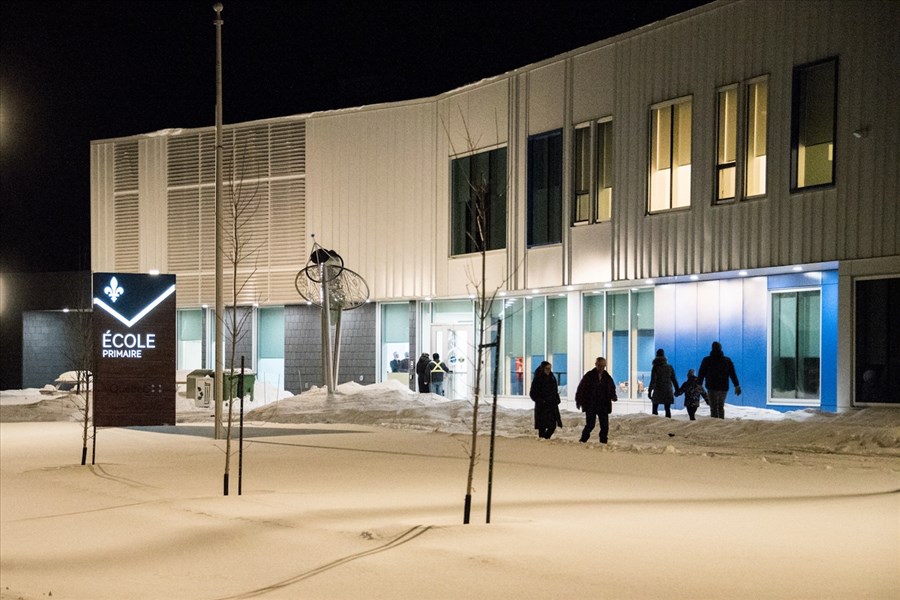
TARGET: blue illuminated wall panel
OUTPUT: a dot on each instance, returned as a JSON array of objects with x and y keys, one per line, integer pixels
[{"x": 735, "y": 312}]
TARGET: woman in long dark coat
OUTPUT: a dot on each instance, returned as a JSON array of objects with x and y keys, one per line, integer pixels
[
  {"x": 662, "y": 384},
  {"x": 545, "y": 395}
]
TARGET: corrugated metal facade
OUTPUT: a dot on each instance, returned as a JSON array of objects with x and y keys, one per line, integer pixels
[{"x": 376, "y": 186}]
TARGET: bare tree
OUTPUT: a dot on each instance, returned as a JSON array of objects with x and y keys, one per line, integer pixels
[
  {"x": 241, "y": 250},
  {"x": 79, "y": 354},
  {"x": 477, "y": 206}
]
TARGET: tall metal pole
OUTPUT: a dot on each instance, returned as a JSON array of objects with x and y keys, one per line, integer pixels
[
  {"x": 490, "y": 485},
  {"x": 220, "y": 295}
]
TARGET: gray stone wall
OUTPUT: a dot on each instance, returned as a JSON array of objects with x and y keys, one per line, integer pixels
[
  {"x": 244, "y": 345},
  {"x": 48, "y": 346},
  {"x": 303, "y": 347}
]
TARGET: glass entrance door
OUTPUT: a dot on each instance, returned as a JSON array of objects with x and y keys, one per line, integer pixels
[{"x": 454, "y": 344}]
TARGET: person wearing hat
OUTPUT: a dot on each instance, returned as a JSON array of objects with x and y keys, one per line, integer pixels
[
  {"x": 662, "y": 384},
  {"x": 423, "y": 375}
]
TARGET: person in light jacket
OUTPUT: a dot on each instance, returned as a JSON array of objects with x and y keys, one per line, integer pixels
[
  {"x": 544, "y": 393},
  {"x": 662, "y": 384}
]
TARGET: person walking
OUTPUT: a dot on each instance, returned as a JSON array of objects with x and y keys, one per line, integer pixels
[
  {"x": 716, "y": 369},
  {"x": 595, "y": 394},
  {"x": 692, "y": 391},
  {"x": 436, "y": 369},
  {"x": 662, "y": 384},
  {"x": 544, "y": 393},
  {"x": 422, "y": 373}
]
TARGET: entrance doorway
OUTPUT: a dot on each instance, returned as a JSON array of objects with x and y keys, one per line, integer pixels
[{"x": 454, "y": 344}]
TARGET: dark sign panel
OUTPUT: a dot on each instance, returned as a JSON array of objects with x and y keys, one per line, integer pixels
[{"x": 134, "y": 356}]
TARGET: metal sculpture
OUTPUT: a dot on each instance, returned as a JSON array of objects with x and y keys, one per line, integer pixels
[{"x": 327, "y": 283}]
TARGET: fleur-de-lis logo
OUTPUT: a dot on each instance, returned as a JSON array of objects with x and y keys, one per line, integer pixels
[{"x": 113, "y": 290}]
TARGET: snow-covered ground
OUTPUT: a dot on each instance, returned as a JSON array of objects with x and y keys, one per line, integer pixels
[{"x": 360, "y": 495}]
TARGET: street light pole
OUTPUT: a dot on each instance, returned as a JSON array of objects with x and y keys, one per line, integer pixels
[{"x": 220, "y": 303}]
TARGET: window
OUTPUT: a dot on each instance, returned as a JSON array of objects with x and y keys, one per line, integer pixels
[
  {"x": 726, "y": 143},
  {"x": 478, "y": 205},
  {"x": 813, "y": 125},
  {"x": 545, "y": 189},
  {"x": 593, "y": 168},
  {"x": 796, "y": 337},
  {"x": 741, "y": 161},
  {"x": 189, "y": 351},
  {"x": 757, "y": 121},
  {"x": 670, "y": 156},
  {"x": 395, "y": 341},
  {"x": 270, "y": 346}
]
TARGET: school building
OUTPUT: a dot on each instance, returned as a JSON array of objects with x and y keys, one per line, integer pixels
[{"x": 727, "y": 174}]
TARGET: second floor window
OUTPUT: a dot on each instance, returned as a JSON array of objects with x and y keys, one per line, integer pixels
[
  {"x": 478, "y": 202},
  {"x": 813, "y": 124},
  {"x": 545, "y": 189},
  {"x": 593, "y": 172},
  {"x": 741, "y": 162},
  {"x": 670, "y": 156}
]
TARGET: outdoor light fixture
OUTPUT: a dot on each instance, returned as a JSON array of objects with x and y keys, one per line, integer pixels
[
  {"x": 694, "y": 278},
  {"x": 798, "y": 268},
  {"x": 742, "y": 273},
  {"x": 153, "y": 271}
]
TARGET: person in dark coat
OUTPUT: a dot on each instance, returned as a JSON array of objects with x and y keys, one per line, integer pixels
[
  {"x": 662, "y": 384},
  {"x": 692, "y": 391},
  {"x": 716, "y": 369},
  {"x": 423, "y": 375},
  {"x": 544, "y": 393},
  {"x": 595, "y": 394}
]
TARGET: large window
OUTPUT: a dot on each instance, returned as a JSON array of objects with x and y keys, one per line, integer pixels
[
  {"x": 796, "y": 342},
  {"x": 593, "y": 172},
  {"x": 545, "y": 189},
  {"x": 813, "y": 124},
  {"x": 670, "y": 156},
  {"x": 729, "y": 144},
  {"x": 478, "y": 205}
]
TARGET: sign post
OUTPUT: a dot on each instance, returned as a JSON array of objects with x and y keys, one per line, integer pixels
[{"x": 134, "y": 349}]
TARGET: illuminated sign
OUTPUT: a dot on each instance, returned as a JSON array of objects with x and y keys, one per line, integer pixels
[{"x": 134, "y": 349}]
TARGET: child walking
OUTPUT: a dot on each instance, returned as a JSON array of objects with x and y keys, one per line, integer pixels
[{"x": 692, "y": 391}]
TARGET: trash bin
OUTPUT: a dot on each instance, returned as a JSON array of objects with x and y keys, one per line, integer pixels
[
  {"x": 195, "y": 384},
  {"x": 193, "y": 381},
  {"x": 205, "y": 391}
]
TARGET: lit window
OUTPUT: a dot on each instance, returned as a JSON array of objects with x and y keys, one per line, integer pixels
[
  {"x": 581, "y": 188},
  {"x": 670, "y": 156},
  {"x": 593, "y": 172},
  {"x": 757, "y": 121},
  {"x": 813, "y": 124},
  {"x": 726, "y": 144},
  {"x": 604, "y": 170}
]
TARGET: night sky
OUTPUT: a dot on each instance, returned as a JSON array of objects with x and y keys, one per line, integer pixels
[{"x": 75, "y": 71}]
